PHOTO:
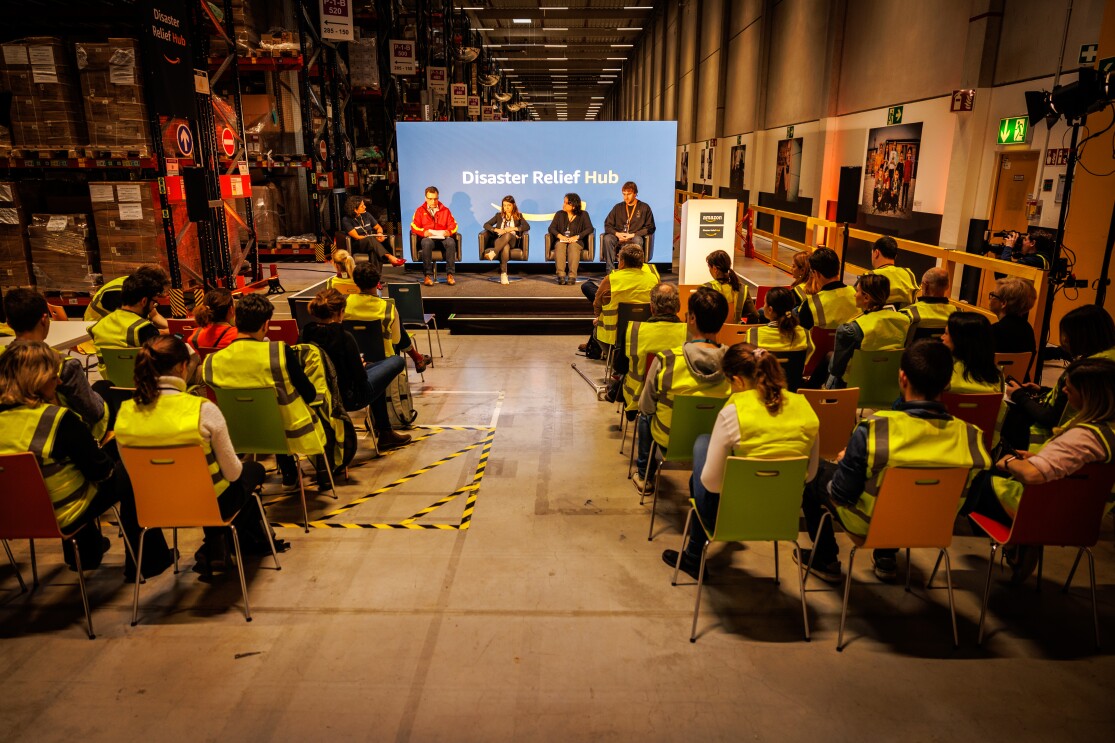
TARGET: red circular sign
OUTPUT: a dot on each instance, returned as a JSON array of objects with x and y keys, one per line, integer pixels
[
  {"x": 323, "y": 150},
  {"x": 228, "y": 142}
]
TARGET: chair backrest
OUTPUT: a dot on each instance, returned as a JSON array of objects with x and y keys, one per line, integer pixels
[
  {"x": 627, "y": 313},
  {"x": 202, "y": 352},
  {"x": 916, "y": 507},
  {"x": 760, "y": 499},
  {"x": 283, "y": 330},
  {"x": 172, "y": 486},
  {"x": 1066, "y": 512},
  {"x": 120, "y": 364},
  {"x": 980, "y": 409},
  {"x": 26, "y": 511},
  {"x": 369, "y": 338},
  {"x": 876, "y": 375},
  {"x": 920, "y": 333},
  {"x": 254, "y": 422},
  {"x": 346, "y": 289},
  {"x": 793, "y": 367},
  {"x": 408, "y": 302},
  {"x": 823, "y": 343},
  {"x": 761, "y": 296},
  {"x": 184, "y": 328},
  {"x": 836, "y": 410},
  {"x": 684, "y": 292},
  {"x": 732, "y": 333},
  {"x": 693, "y": 415},
  {"x": 1016, "y": 365}
]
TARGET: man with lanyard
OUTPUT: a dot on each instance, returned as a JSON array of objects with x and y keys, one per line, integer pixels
[
  {"x": 433, "y": 223},
  {"x": 834, "y": 302},
  {"x": 903, "y": 283},
  {"x": 365, "y": 231},
  {"x": 918, "y": 432},
  {"x": 629, "y": 221}
]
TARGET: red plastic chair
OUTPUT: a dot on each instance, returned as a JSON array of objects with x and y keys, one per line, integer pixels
[
  {"x": 823, "y": 343},
  {"x": 26, "y": 512},
  {"x": 980, "y": 409},
  {"x": 184, "y": 328},
  {"x": 283, "y": 330},
  {"x": 1062, "y": 513}
]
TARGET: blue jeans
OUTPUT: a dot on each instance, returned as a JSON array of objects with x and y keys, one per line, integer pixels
[
  {"x": 380, "y": 375},
  {"x": 707, "y": 503},
  {"x": 645, "y": 468}
]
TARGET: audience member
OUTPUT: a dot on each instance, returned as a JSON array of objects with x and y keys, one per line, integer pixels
[
  {"x": 129, "y": 326},
  {"x": 831, "y": 303},
  {"x": 367, "y": 305},
  {"x": 629, "y": 221},
  {"x": 630, "y": 284},
  {"x": 365, "y": 232},
  {"x": 918, "y": 432},
  {"x": 968, "y": 336},
  {"x": 726, "y": 281},
  {"x": 508, "y": 226},
  {"x": 802, "y": 277},
  {"x": 569, "y": 231},
  {"x": 216, "y": 321},
  {"x": 692, "y": 369},
  {"x": 761, "y": 420},
  {"x": 434, "y": 225},
  {"x": 107, "y": 297},
  {"x": 1012, "y": 300},
  {"x": 933, "y": 308},
  {"x": 879, "y": 328},
  {"x": 903, "y": 284},
  {"x": 663, "y": 331},
  {"x": 783, "y": 331},
  {"x": 343, "y": 265}
]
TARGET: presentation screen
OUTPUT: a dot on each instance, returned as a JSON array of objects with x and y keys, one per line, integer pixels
[{"x": 475, "y": 164}]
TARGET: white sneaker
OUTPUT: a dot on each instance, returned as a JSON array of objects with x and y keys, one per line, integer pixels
[
  {"x": 490, "y": 255},
  {"x": 642, "y": 485},
  {"x": 503, "y": 279}
]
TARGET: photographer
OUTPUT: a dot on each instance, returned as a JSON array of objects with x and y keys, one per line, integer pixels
[{"x": 1028, "y": 249}]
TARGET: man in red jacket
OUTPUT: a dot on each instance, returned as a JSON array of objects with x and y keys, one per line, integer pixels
[{"x": 434, "y": 223}]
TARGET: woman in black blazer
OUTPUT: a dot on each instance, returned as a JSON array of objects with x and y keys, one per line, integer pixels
[
  {"x": 570, "y": 230},
  {"x": 508, "y": 226}
]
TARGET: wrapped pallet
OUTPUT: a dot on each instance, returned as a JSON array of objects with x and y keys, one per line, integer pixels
[
  {"x": 46, "y": 102},
  {"x": 129, "y": 226},
  {"x": 112, "y": 90},
  {"x": 13, "y": 238},
  {"x": 61, "y": 255}
]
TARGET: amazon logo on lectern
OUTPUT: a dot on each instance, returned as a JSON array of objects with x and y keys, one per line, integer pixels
[{"x": 717, "y": 218}]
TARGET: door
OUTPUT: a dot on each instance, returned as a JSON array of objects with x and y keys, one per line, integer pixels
[{"x": 1015, "y": 183}]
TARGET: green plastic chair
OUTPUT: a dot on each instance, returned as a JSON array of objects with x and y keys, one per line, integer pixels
[
  {"x": 693, "y": 415},
  {"x": 255, "y": 426},
  {"x": 760, "y": 502},
  {"x": 120, "y": 364},
  {"x": 876, "y": 375}
]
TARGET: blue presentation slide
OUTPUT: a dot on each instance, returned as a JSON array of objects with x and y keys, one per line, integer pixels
[{"x": 475, "y": 164}]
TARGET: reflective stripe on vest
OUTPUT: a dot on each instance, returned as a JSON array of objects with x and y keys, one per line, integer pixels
[
  {"x": 96, "y": 309},
  {"x": 117, "y": 329},
  {"x": 314, "y": 362},
  {"x": 644, "y": 339},
  {"x": 174, "y": 420},
  {"x": 763, "y": 435},
  {"x": 1039, "y": 434},
  {"x": 896, "y": 439},
  {"x": 372, "y": 308},
  {"x": 903, "y": 284},
  {"x": 883, "y": 330},
  {"x": 771, "y": 338},
  {"x": 736, "y": 299},
  {"x": 674, "y": 378},
  {"x": 24, "y": 429},
  {"x": 631, "y": 285},
  {"x": 833, "y": 307},
  {"x": 250, "y": 364},
  {"x": 929, "y": 314}
]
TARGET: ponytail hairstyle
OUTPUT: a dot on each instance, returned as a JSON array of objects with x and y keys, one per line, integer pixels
[
  {"x": 720, "y": 264},
  {"x": 327, "y": 304},
  {"x": 782, "y": 302},
  {"x": 876, "y": 288},
  {"x": 157, "y": 358},
  {"x": 343, "y": 263},
  {"x": 761, "y": 369},
  {"x": 214, "y": 308}
]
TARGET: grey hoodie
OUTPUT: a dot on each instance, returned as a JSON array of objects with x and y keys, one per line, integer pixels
[{"x": 703, "y": 360}]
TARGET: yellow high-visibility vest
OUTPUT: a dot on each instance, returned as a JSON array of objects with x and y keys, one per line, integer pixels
[
  {"x": 832, "y": 308},
  {"x": 96, "y": 308},
  {"x": 643, "y": 340},
  {"x": 790, "y": 433},
  {"x": 674, "y": 378},
  {"x": 903, "y": 284},
  {"x": 883, "y": 330},
  {"x": 374, "y": 309},
  {"x": 118, "y": 329},
  {"x": 630, "y": 285}
]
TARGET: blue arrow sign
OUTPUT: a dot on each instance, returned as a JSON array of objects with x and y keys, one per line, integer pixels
[{"x": 185, "y": 140}]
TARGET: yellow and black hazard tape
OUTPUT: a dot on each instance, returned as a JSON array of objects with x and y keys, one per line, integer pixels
[{"x": 471, "y": 488}]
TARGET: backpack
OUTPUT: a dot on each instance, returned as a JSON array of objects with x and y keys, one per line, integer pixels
[{"x": 400, "y": 404}]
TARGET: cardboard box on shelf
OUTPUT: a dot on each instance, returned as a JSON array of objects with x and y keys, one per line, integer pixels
[
  {"x": 112, "y": 91},
  {"x": 14, "y": 270},
  {"x": 61, "y": 255},
  {"x": 46, "y": 107}
]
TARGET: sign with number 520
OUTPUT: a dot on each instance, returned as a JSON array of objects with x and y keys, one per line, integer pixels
[{"x": 336, "y": 20}]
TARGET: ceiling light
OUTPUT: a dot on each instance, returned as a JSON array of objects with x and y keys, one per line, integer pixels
[
  {"x": 483, "y": 28},
  {"x": 559, "y": 69},
  {"x": 613, "y": 69},
  {"x": 552, "y": 7},
  {"x": 630, "y": 28},
  {"x": 555, "y": 46},
  {"x": 501, "y": 59},
  {"x": 555, "y": 28},
  {"x": 638, "y": 7},
  {"x": 609, "y": 76},
  {"x": 621, "y": 46},
  {"x": 616, "y": 59},
  {"x": 520, "y": 20},
  {"x": 597, "y": 98},
  {"x": 559, "y": 75}
]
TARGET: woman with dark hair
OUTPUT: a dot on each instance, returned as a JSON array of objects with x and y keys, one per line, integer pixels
[
  {"x": 878, "y": 328},
  {"x": 216, "y": 321},
  {"x": 1086, "y": 332},
  {"x": 365, "y": 231},
  {"x": 968, "y": 336},
  {"x": 161, "y": 413},
  {"x": 508, "y": 226},
  {"x": 760, "y": 420},
  {"x": 726, "y": 281},
  {"x": 569, "y": 231},
  {"x": 783, "y": 331}
]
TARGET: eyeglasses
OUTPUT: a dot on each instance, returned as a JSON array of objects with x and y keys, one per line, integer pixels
[{"x": 993, "y": 295}]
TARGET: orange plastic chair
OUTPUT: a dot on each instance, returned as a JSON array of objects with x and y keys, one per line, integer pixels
[
  {"x": 184, "y": 328},
  {"x": 173, "y": 489},
  {"x": 1016, "y": 365},
  {"x": 824, "y": 341},
  {"x": 283, "y": 330},
  {"x": 914, "y": 508},
  {"x": 684, "y": 290},
  {"x": 733, "y": 333},
  {"x": 981, "y": 409},
  {"x": 1062, "y": 513},
  {"x": 26, "y": 512},
  {"x": 838, "y": 413}
]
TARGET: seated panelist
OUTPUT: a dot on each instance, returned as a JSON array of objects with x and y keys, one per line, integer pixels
[
  {"x": 569, "y": 231},
  {"x": 433, "y": 223},
  {"x": 508, "y": 226}
]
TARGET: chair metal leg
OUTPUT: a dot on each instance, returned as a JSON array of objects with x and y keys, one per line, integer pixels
[
  {"x": 266, "y": 530},
  {"x": 34, "y": 565},
  {"x": 700, "y": 585},
  {"x": 631, "y": 459},
  {"x": 329, "y": 471},
  {"x": 1068, "y": 581},
  {"x": 84, "y": 592},
  {"x": 777, "y": 580},
  {"x": 936, "y": 566},
  {"x": 813, "y": 552},
  {"x": 952, "y": 607},
  {"x": 18, "y": 574},
  {"x": 653, "y": 449},
  {"x": 681, "y": 550},
  {"x": 438, "y": 334},
  {"x": 1092, "y": 578},
  {"x": 135, "y": 591},
  {"x": 174, "y": 531},
  {"x": 240, "y": 569},
  {"x": 986, "y": 591},
  {"x": 127, "y": 544},
  {"x": 847, "y": 592},
  {"x": 908, "y": 565},
  {"x": 302, "y": 492},
  {"x": 430, "y": 341},
  {"x": 654, "y": 503},
  {"x": 801, "y": 592}
]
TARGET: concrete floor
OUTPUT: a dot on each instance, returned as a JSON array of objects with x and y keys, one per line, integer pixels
[{"x": 551, "y": 617}]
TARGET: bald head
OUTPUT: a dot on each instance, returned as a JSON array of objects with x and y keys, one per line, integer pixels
[
  {"x": 664, "y": 300},
  {"x": 935, "y": 283}
]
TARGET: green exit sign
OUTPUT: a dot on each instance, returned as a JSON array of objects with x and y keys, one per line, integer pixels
[{"x": 1013, "y": 130}]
